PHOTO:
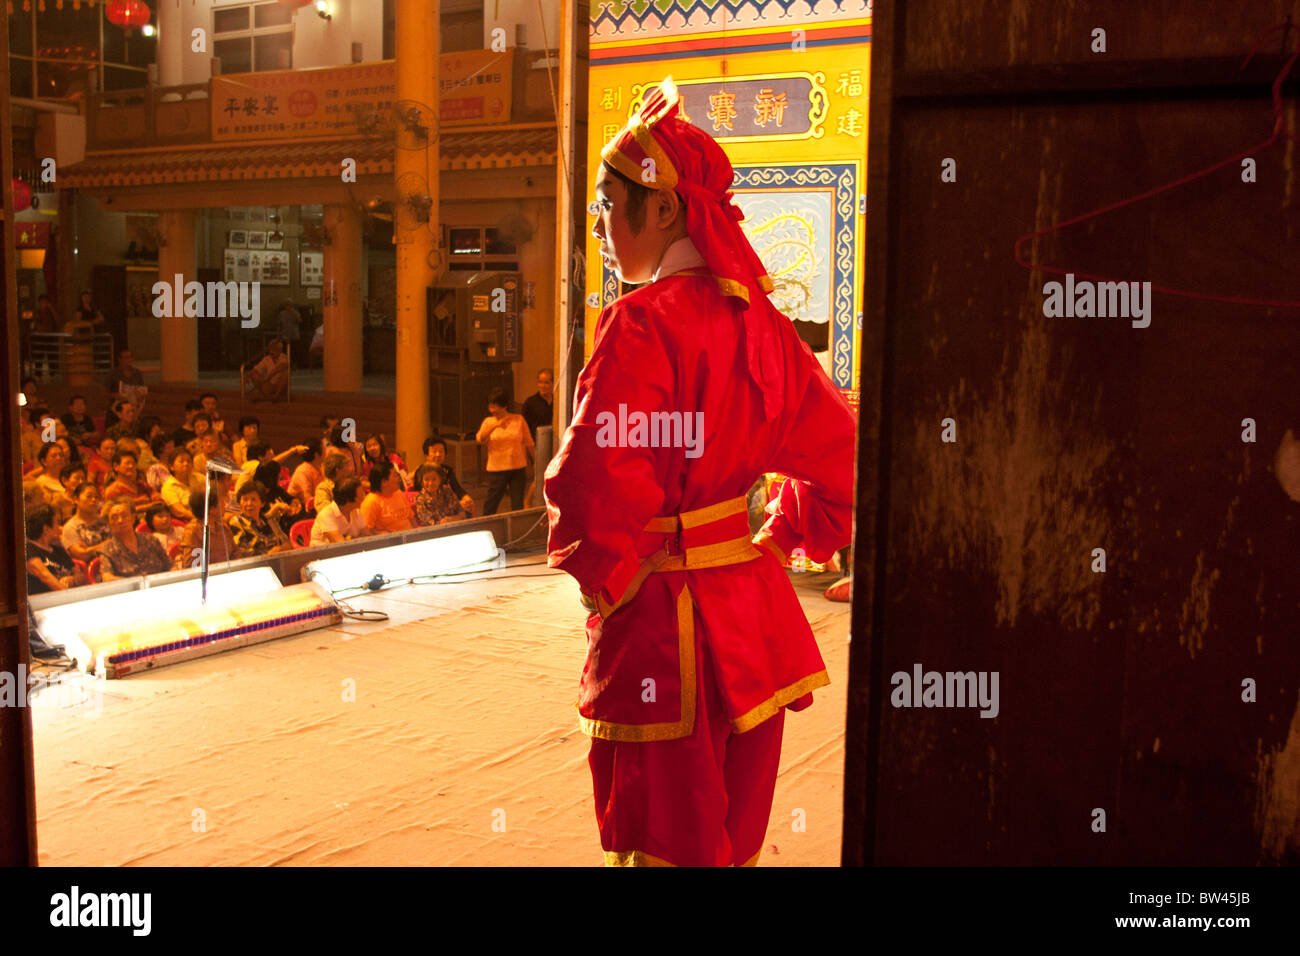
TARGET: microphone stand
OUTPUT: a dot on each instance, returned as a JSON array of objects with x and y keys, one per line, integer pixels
[{"x": 207, "y": 495}]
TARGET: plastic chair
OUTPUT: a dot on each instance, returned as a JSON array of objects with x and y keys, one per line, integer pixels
[
  {"x": 92, "y": 572},
  {"x": 411, "y": 496},
  {"x": 300, "y": 533},
  {"x": 142, "y": 528}
]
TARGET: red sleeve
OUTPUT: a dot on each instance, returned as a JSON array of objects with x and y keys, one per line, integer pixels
[
  {"x": 599, "y": 496},
  {"x": 815, "y": 509}
]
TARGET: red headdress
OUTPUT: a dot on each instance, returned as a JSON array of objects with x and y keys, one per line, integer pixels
[{"x": 663, "y": 151}]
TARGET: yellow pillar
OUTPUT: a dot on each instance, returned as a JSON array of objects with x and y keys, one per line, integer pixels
[
  {"x": 341, "y": 299},
  {"x": 178, "y": 335},
  {"x": 417, "y": 80}
]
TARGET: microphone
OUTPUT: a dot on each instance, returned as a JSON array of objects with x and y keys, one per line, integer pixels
[{"x": 223, "y": 465}]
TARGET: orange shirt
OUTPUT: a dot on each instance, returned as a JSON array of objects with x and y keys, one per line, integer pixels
[
  {"x": 387, "y": 512},
  {"x": 506, "y": 442}
]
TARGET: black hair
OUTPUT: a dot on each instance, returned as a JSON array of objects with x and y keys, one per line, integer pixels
[
  {"x": 267, "y": 474},
  {"x": 433, "y": 440},
  {"x": 125, "y": 453},
  {"x": 206, "y": 395},
  {"x": 37, "y": 519},
  {"x": 249, "y": 420},
  {"x": 346, "y": 491},
  {"x": 256, "y": 450},
  {"x": 193, "y": 405},
  {"x": 158, "y": 444},
  {"x": 177, "y": 451},
  {"x": 380, "y": 472},
  {"x": 383, "y": 446},
  {"x": 315, "y": 448},
  {"x": 499, "y": 396},
  {"x": 637, "y": 195},
  {"x": 203, "y": 415},
  {"x": 252, "y": 487},
  {"x": 45, "y": 450},
  {"x": 74, "y": 398}
]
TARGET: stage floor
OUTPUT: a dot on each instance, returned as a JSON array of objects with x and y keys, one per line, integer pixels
[{"x": 463, "y": 718}]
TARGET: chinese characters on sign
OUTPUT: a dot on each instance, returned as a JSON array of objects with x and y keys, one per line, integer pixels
[
  {"x": 474, "y": 86},
  {"x": 791, "y": 106},
  {"x": 289, "y": 103}
]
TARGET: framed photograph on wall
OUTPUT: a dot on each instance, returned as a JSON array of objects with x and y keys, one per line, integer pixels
[
  {"x": 238, "y": 239},
  {"x": 256, "y": 239},
  {"x": 312, "y": 268}
]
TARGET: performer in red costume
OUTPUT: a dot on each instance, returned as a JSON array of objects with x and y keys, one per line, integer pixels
[{"x": 696, "y": 385}]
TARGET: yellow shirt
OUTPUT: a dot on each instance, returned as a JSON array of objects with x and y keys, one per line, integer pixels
[{"x": 507, "y": 441}]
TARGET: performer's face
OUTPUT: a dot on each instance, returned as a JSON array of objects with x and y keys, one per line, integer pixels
[{"x": 631, "y": 254}]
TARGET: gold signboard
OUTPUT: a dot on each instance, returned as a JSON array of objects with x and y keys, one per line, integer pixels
[
  {"x": 474, "y": 87},
  {"x": 281, "y": 104}
]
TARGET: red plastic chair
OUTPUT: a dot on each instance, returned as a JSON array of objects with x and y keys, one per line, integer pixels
[
  {"x": 92, "y": 572},
  {"x": 300, "y": 533},
  {"x": 411, "y": 496},
  {"x": 142, "y": 527}
]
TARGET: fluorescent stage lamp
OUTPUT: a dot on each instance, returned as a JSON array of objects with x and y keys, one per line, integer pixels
[
  {"x": 127, "y": 647},
  {"x": 454, "y": 554},
  {"x": 65, "y": 623}
]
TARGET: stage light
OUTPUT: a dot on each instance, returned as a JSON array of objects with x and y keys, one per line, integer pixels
[
  {"x": 65, "y": 623},
  {"x": 148, "y": 30},
  {"x": 372, "y": 570}
]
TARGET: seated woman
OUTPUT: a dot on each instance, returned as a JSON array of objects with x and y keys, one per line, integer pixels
[
  {"x": 436, "y": 503},
  {"x": 336, "y": 467},
  {"x": 386, "y": 508},
  {"x": 341, "y": 519},
  {"x": 85, "y": 533},
  {"x": 435, "y": 453},
  {"x": 54, "y": 461},
  {"x": 308, "y": 475},
  {"x": 100, "y": 467},
  {"x": 49, "y": 566},
  {"x": 252, "y": 532},
  {"x": 126, "y": 481},
  {"x": 288, "y": 509},
  {"x": 129, "y": 553},
  {"x": 376, "y": 450},
  {"x": 180, "y": 484}
]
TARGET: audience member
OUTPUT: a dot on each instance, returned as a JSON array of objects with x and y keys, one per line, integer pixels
[
  {"x": 335, "y": 468},
  {"x": 221, "y": 546},
  {"x": 80, "y": 426},
  {"x": 124, "y": 373},
  {"x": 376, "y": 450},
  {"x": 288, "y": 508},
  {"x": 435, "y": 453},
  {"x": 126, "y": 425},
  {"x": 350, "y": 448},
  {"x": 308, "y": 474},
  {"x": 385, "y": 508},
  {"x": 270, "y": 376},
  {"x": 49, "y": 566},
  {"x": 186, "y": 434},
  {"x": 126, "y": 479},
  {"x": 209, "y": 447},
  {"x": 538, "y": 409},
  {"x": 436, "y": 503},
  {"x": 341, "y": 519},
  {"x": 181, "y": 483},
  {"x": 215, "y": 418},
  {"x": 100, "y": 467},
  {"x": 510, "y": 450},
  {"x": 253, "y": 532},
  {"x": 163, "y": 527},
  {"x": 53, "y": 460},
  {"x": 86, "y": 530},
  {"x": 32, "y": 432},
  {"x": 201, "y": 425},
  {"x": 156, "y": 475},
  {"x": 129, "y": 553},
  {"x": 250, "y": 428}
]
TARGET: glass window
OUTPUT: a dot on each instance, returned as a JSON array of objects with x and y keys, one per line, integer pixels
[
  {"x": 230, "y": 18},
  {"x": 236, "y": 55},
  {"x": 274, "y": 52}
]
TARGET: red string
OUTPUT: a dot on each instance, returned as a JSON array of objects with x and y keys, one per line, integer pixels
[{"x": 1279, "y": 131}]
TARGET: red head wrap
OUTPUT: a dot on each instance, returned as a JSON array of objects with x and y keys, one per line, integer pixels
[{"x": 662, "y": 151}]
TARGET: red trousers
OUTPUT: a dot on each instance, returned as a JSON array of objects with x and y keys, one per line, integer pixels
[{"x": 702, "y": 800}]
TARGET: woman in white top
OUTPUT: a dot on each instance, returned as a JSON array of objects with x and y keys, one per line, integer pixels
[{"x": 341, "y": 519}]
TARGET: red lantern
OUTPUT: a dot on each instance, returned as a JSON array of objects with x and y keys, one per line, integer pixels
[
  {"x": 127, "y": 14},
  {"x": 22, "y": 195}
]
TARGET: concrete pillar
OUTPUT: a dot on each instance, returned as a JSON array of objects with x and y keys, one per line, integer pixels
[
  {"x": 341, "y": 299},
  {"x": 178, "y": 335},
  {"x": 417, "y": 80},
  {"x": 172, "y": 43}
]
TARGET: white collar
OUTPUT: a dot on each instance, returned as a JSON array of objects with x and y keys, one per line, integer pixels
[{"x": 682, "y": 254}]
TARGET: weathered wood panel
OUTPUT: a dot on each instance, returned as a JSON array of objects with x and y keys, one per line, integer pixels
[{"x": 1119, "y": 690}]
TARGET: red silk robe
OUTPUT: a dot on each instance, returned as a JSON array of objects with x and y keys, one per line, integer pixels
[{"x": 678, "y": 345}]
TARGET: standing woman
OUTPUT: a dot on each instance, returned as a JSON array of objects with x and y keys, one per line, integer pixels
[
  {"x": 129, "y": 553},
  {"x": 510, "y": 450}
]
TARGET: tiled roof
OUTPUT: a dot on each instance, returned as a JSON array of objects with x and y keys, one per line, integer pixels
[{"x": 497, "y": 148}]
